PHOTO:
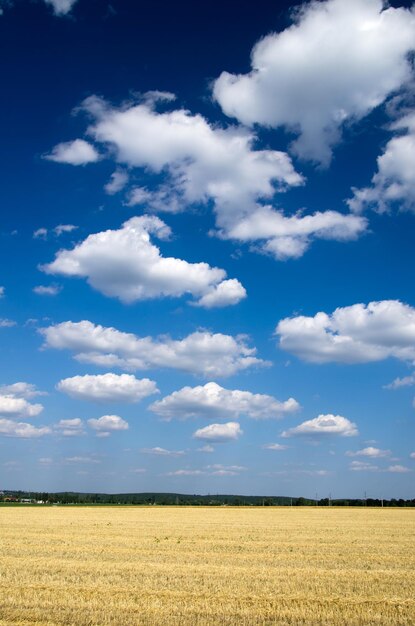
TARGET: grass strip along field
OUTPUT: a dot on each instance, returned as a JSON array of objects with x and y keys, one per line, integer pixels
[{"x": 190, "y": 566}]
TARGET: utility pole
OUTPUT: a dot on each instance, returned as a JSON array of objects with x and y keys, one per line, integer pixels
[{"x": 316, "y": 499}]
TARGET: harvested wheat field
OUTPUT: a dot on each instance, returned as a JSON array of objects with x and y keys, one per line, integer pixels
[{"x": 225, "y": 566}]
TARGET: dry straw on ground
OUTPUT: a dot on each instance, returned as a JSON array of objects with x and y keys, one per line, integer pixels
[{"x": 206, "y": 566}]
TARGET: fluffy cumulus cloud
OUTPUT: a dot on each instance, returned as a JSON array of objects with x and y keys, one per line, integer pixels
[
  {"x": 203, "y": 162},
  {"x": 200, "y": 353},
  {"x": 108, "y": 387},
  {"x": 61, "y": 7},
  {"x": 289, "y": 237},
  {"x": 371, "y": 452},
  {"x": 338, "y": 61},
  {"x": 125, "y": 264},
  {"x": 70, "y": 427},
  {"x": 21, "y": 390},
  {"x": 323, "y": 425},
  {"x": 196, "y": 162},
  {"x": 107, "y": 424},
  {"x": 219, "y": 433},
  {"x": 394, "y": 182},
  {"x": 354, "y": 334},
  {"x": 14, "y": 407},
  {"x": 77, "y": 152},
  {"x": 10, "y": 428},
  {"x": 212, "y": 400}
]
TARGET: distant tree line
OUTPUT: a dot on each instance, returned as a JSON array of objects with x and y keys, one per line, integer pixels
[{"x": 178, "y": 499}]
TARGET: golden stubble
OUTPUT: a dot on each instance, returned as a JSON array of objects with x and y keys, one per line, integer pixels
[{"x": 188, "y": 566}]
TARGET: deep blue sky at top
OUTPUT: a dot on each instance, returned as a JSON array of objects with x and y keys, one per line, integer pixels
[{"x": 117, "y": 50}]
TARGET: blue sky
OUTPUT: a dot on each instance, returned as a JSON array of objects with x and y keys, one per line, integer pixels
[{"x": 207, "y": 239}]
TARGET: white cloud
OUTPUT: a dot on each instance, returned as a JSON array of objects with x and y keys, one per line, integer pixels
[
  {"x": 6, "y": 323},
  {"x": 108, "y": 388},
  {"x": 117, "y": 182},
  {"x": 398, "y": 469},
  {"x": 2, "y": 292},
  {"x": 77, "y": 152},
  {"x": 157, "y": 451},
  {"x": 199, "y": 353},
  {"x": 45, "y": 461},
  {"x": 363, "y": 466},
  {"x": 40, "y": 233},
  {"x": 139, "y": 271},
  {"x": 232, "y": 468},
  {"x": 210, "y": 470},
  {"x": 47, "y": 290},
  {"x": 199, "y": 163},
  {"x": 108, "y": 423},
  {"x": 336, "y": 63},
  {"x": 21, "y": 390},
  {"x": 219, "y": 433},
  {"x": 61, "y": 7},
  {"x": 70, "y": 427},
  {"x": 8, "y": 428},
  {"x": 394, "y": 182},
  {"x": 274, "y": 446},
  {"x": 64, "y": 228},
  {"x": 323, "y": 425},
  {"x": 226, "y": 293},
  {"x": 203, "y": 162},
  {"x": 299, "y": 472},
  {"x": 17, "y": 407},
  {"x": 406, "y": 381},
  {"x": 185, "y": 472},
  {"x": 374, "y": 453},
  {"x": 213, "y": 401},
  {"x": 82, "y": 459},
  {"x": 207, "y": 448},
  {"x": 354, "y": 334},
  {"x": 412, "y": 455},
  {"x": 289, "y": 237}
]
